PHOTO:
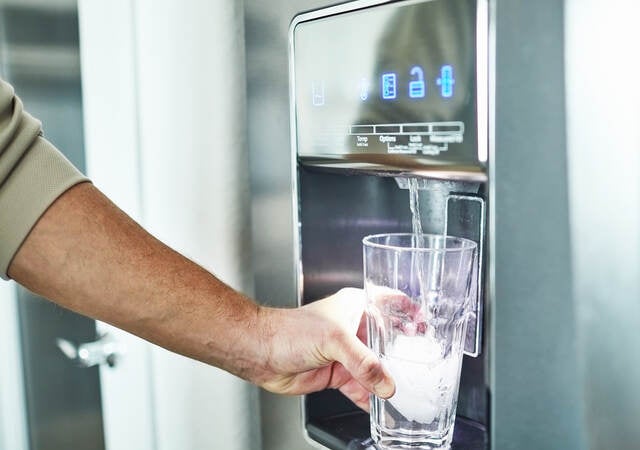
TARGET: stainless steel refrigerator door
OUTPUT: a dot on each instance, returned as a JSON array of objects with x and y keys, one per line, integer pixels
[
  {"x": 535, "y": 388},
  {"x": 266, "y": 28}
]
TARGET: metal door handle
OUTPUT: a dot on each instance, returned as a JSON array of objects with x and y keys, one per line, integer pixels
[{"x": 102, "y": 351}]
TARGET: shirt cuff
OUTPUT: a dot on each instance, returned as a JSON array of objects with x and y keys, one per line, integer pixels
[{"x": 41, "y": 176}]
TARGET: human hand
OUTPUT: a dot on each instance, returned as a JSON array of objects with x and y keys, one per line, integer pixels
[{"x": 320, "y": 346}]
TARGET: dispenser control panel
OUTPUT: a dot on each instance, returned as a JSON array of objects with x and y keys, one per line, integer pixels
[{"x": 399, "y": 78}]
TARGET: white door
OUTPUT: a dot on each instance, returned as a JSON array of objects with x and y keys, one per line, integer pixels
[
  {"x": 166, "y": 144},
  {"x": 107, "y": 49},
  {"x": 13, "y": 431}
]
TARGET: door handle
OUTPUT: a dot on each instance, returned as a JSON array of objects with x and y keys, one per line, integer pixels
[{"x": 102, "y": 351}]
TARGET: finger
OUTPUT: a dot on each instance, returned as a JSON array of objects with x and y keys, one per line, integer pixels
[
  {"x": 363, "y": 365},
  {"x": 341, "y": 379},
  {"x": 362, "y": 329},
  {"x": 356, "y": 393}
]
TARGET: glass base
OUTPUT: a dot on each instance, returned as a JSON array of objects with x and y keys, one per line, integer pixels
[{"x": 392, "y": 439}]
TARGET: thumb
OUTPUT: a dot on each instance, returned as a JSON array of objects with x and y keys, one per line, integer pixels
[
  {"x": 364, "y": 366},
  {"x": 344, "y": 311}
]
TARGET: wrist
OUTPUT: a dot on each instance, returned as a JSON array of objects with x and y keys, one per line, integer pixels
[{"x": 265, "y": 335}]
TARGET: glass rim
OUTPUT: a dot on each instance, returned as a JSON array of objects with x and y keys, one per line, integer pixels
[{"x": 467, "y": 244}]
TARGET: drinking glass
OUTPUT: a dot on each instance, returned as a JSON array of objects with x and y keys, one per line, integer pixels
[{"x": 418, "y": 301}]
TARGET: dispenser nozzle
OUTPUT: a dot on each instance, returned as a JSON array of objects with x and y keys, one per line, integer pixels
[{"x": 423, "y": 183}]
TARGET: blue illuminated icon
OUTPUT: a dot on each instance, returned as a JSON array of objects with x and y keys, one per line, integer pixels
[
  {"x": 317, "y": 93},
  {"x": 417, "y": 87},
  {"x": 446, "y": 81},
  {"x": 389, "y": 90},
  {"x": 364, "y": 89}
]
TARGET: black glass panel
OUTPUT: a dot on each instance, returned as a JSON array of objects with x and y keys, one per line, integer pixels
[{"x": 398, "y": 79}]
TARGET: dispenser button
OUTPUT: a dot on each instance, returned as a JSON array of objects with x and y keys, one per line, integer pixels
[
  {"x": 389, "y": 91},
  {"x": 446, "y": 81},
  {"x": 417, "y": 87}
]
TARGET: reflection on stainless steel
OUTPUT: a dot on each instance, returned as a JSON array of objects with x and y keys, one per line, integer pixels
[
  {"x": 337, "y": 278},
  {"x": 399, "y": 166},
  {"x": 364, "y": 222},
  {"x": 432, "y": 34}
]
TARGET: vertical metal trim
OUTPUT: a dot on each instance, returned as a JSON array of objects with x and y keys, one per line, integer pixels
[
  {"x": 482, "y": 73},
  {"x": 491, "y": 183}
]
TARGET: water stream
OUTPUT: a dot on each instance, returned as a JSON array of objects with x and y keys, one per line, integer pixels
[{"x": 414, "y": 204}]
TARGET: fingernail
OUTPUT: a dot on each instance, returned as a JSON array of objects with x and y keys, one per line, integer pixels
[{"x": 384, "y": 389}]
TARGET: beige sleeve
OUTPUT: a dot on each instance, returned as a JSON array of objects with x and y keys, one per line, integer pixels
[{"x": 33, "y": 173}]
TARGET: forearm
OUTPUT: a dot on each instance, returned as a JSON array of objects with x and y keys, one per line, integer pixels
[{"x": 87, "y": 255}]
